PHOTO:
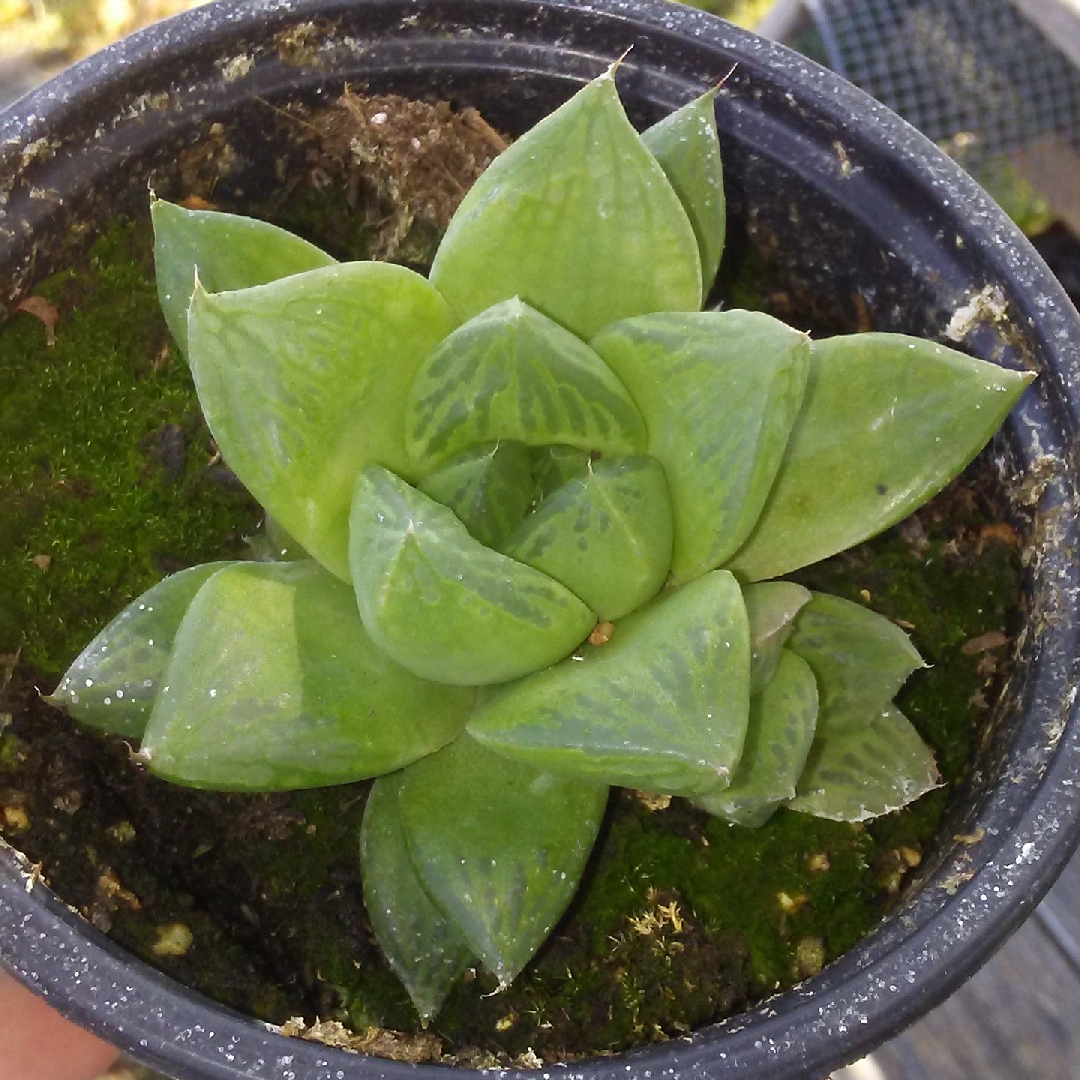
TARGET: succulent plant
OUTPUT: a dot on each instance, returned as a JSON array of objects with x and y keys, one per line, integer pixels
[{"x": 542, "y": 501}]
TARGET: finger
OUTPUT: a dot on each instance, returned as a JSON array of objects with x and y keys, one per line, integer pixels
[{"x": 37, "y": 1043}]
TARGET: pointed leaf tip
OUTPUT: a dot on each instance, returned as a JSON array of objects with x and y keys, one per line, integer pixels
[
  {"x": 114, "y": 681},
  {"x": 618, "y": 62},
  {"x": 273, "y": 684},
  {"x": 500, "y": 846},
  {"x": 578, "y": 219},
  {"x": 304, "y": 380},
  {"x": 888, "y": 420},
  {"x": 424, "y": 947},
  {"x": 687, "y": 147},
  {"x": 234, "y": 252},
  {"x": 443, "y": 605},
  {"x": 720, "y": 85},
  {"x": 662, "y": 706}
]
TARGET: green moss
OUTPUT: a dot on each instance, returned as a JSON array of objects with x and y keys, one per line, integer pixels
[{"x": 87, "y": 486}]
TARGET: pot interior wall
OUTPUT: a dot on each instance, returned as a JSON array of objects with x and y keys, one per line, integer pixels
[{"x": 846, "y": 230}]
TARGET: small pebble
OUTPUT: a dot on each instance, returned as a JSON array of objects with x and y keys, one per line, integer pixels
[
  {"x": 970, "y": 838},
  {"x": 809, "y": 956},
  {"x": 652, "y": 801},
  {"x": 910, "y": 856},
  {"x": 123, "y": 832},
  {"x": 16, "y": 819},
  {"x": 790, "y": 904},
  {"x": 172, "y": 940}
]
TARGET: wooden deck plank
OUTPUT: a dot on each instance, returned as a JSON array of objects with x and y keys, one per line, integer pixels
[
  {"x": 1018, "y": 1018},
  {"x": 1060, "y": 912}
]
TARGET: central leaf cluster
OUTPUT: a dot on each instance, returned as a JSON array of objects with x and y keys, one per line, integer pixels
[{"x": 538, "y": 493}]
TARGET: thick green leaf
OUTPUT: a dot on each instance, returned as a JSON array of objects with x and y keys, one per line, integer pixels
[
  {"x": 783, "y": 717},
  {"x": 606, "y": 535},
  {"x": 578, "y": 219},
  {"x": 113, "y": 682},
  {"x": 662, "y": 706},
  {"x": 888, "y": 420},
  {"x": 688, "y": 149},
  {"x": 273, "y": 684},
  {"x": 442, "y": 604},
  {"x": 425, "y": 949},
  {"x": 720, "y": 391},
  {"x": 859, "y": 658},
  {"x": 771, "y": 607},
  {"x": 304, "y": 380},
  {"x": 228, "y": 251},
  {"x": 499, "y": 846},
  {"x": 489, "y": 487},
  {"x": 863, "y": 765},
  {"x": 512, "y": 373},
  {"x": 866, "y": 759}
]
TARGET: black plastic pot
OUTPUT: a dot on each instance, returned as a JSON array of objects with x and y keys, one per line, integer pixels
[{"x": 844, "y": 197}]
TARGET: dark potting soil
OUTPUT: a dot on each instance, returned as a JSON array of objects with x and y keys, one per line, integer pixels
[{"x": 109, "y": 479}]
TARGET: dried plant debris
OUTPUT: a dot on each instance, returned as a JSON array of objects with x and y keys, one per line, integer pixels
[
  {"x": 382, "y": 1042},
  {"x": 369, "y": 177},
  {"x": 417, "y": 159},
  {"x": 416, "y": 1049},
  {"x": 200, "y": 167}
]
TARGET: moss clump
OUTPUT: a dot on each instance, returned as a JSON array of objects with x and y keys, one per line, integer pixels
[{"x": 108, "y": 478}]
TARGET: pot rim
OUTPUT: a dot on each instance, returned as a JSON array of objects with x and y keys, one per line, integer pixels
[{"x": 963, "y": 911}]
